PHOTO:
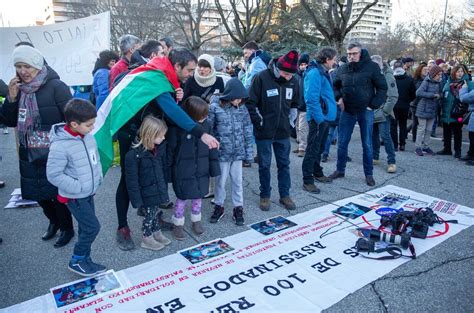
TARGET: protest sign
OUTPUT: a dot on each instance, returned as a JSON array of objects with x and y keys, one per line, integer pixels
[{"x": 70, "y": 48}]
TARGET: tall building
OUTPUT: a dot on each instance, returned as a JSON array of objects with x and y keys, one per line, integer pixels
[{"x": 375, "y": 21}]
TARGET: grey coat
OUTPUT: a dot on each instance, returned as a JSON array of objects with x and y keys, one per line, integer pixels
[
  {"x": 428, "y": 104},
  {"x": 386, "y": 110},
  {"x": 234, "y": 130},
  {"x": 467, "y": 97},
  {"x": 73, "y": 164}
]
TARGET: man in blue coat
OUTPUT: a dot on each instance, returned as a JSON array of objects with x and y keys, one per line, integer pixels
[{"x": 321, "y": 109}]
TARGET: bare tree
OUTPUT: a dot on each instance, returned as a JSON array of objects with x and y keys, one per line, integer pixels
[
  {"x": 332, "y": 18},
  {"x": 246, "y": 20},
  {"x": 394, "y": 44}
]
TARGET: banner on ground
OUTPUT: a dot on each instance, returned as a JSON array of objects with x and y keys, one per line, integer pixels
[
  {"x": 70, "y": 48},
  {"x": 304, "y": 262}
]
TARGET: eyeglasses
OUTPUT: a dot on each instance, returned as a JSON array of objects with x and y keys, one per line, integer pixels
[{"x": 352, "y": 53}]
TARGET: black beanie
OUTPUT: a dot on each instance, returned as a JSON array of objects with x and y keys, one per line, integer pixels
[
  {"x": 304, "y": 58},
  {"x": 234, "y": 89}
]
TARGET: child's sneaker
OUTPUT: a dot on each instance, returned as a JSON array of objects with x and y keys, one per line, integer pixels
[
  {"x": 217, "y": 214},
  {"x": 419, "y": 152},
  {"x": 151, "y": 244},
  {"x": 158, "y": 235},
  {"x": 429, "y": 151},
  {"x": 238, "y": 216},
  {"x": 82, "y": 267}
]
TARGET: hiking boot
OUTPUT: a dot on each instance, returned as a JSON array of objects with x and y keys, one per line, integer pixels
[
  {"x": 428, "y": 151},
  {"x": 217, "y": 214},
  {"x": 370, "y": 180},
  {"x": 419, "y": 152},
  {"x": 444, "y": 152},
  {"x": 311, "y": 188},
  {"x": 288, "y": 203},
  {"x": 151, "y": 244},
  {"x": 197, "y": 227},
  {"x": 323, "y": 179},
  {"x": 301, "y": 154},
  {"x": 178, "y": 232},
  {"x": 238, "y": 216},
  {"x": 265, "y": 204},
  {"x": 82, "y": 267},
  {"x": 402, "y": 147},
  {"x": 158, "y": 236},
  {"x": 50, "y": 232},
  {"x": 124, "y": 239},
  {"x": 141, "y": 211},
  {"x": 324, "y": 159},
  {"x": 375, "y": 162},
  {"x": 392, "y": 168},
  {"x": 336, "y": 175},
  {"x": 166, "y": 205},
  {"x": 64, "y": 238},
  {"x": 164, "y": 225}
]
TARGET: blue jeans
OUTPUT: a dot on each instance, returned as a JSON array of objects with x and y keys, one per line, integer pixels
[
  {"x": 317, "y": 136},
  {"x": 281, "y": 148},
  {"x": 83, "y": 211},
  {"x": 332, "y": 134},
  {"x": 346, "y": 127},
  {"x": 384, "y": 130}
]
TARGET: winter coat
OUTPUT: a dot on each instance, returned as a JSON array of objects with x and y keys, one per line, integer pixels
[
  {"x": 270, "y": 99},
  {"x": 145, "y": 176},
  {"x": 318, "y": 94},
  {"x": 233, "y": 129},
  {"x": 191, "y": 163},
  {"x": 449, "y": 98},
  {"x": 360, "y": 84},
  {"x": 73, "y": 164},
  {"x": 468, "y": 98},
  {"x": 192, "y": 88},
  {"x": 119, "y": 67},
  {"x": 100, "y": 86},
  {"x": 257, "y": 63},
  {"x": 406, "y": 91},
  {"x": 51, "y": 98},
  {"x": 428, "y": 104},
  {"x": 300, "y": 80},
  {"x": 386, "y": 110}
]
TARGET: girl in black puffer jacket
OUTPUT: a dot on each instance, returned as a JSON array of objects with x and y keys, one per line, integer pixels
[{"x": 146, "y": 181}]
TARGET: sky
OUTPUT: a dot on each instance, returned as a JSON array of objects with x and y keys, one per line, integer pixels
[{"x": 24, "y": 12}]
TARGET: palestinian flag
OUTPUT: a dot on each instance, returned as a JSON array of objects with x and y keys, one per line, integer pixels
[{"x": 134, "y": 91}]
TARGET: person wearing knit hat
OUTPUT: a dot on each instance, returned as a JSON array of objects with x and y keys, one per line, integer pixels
[
  {"x": 304, "y": 59},
  {"x": 439, "y": 62},
  {"x": 28, "y": 55},
  {"x": 434, "y": 71},
  {"x": 272, "y": 94},
  {"x": 220, "y": 66},
  {"x": 205, "y": 82}
]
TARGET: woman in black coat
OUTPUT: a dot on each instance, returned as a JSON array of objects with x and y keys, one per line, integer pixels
[
  {"x": 204, "y": 83},
  {"x": 35, "y": 101}
]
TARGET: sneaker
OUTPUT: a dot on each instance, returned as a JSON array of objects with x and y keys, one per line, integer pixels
[
  {"x": 82, "y": 267},
  {"x": 324, "y": 159},
  {"x": 375, "y": 162},
  {"x": 419, "y": 152},
  {"x": 246, "y": 164},
  {"x": 265, "y": 204},
  {"x": 392, "y": 168},
  {"x": 402, "y": 147},
  {"x": 178, "y": 232},
  {"x": 288, "y": 203},
  {"x": 311, "y": 188},
  {"x": 158, "y": 235},
  {"x": 208, "y": 195},
  {"x": 197, "y": 227},
  {"x": 2, "y": 184},
  {"x": 457, "y": 155},
  {"x": 336, "y": 175},
  {"x": 166, "y": 205},
  {"x": 141, "y": 211},
  {"x": 5, "y": 131},
  {"x": 433, "y": 135},
  {"x": 238, "y": 216},
  {"x": 370, "y": 180},
  {"x": 217, "y": 214},
  {"x": 301, "y": 154},
  {"x": 151, "y": 244},
  {"x": 124, "y": 239},
  {"x": 99, "y": 268},
  {"x": 323, "y": 179},
  {"x": 428, "y": 151},
  {"x": 444, "y": 152}
]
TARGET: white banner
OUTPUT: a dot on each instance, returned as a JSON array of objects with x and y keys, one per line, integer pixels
[
  {"x": 70, "y": 48},
  {"x": 304, "y": 263}
]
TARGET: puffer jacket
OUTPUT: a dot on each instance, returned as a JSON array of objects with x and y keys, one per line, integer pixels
[
  {"x": 467, "y": 96},
  {"x": 386, "y": 110},
  {"x": 360, "y": 84},
  {"x": 406, "y": 90},
  {"x": 73, "y": 164},
  {"x": 449, "y": 97},
  {"x": 145, "y": 176},
  {"x": 257, "y": 63},
  {"x": 191, "y": 163},
  {"x": 51, "y": 97},
  {"x": 428, "y": 104},
  {"x": 233, "y": 129}
]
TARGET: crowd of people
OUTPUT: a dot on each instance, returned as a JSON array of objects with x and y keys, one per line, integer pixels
[{"x": 204, "y": 132}]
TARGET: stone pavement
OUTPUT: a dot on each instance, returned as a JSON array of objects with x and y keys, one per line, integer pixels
[{"x": 438, "y": 281}]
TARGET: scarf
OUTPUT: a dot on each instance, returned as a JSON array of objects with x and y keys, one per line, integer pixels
[
  {"x": 205, "y": 81},
  {"x": 28, "y": 114},
  {"x": 455, "y": 86}
]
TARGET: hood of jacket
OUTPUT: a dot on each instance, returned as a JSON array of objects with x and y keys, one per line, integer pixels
[
  {"x": 265, "y": 57},
  {"x": 58, "y": 133},
  {"x": 399, "y": 72},
  {"x": 364, "y": 58}
]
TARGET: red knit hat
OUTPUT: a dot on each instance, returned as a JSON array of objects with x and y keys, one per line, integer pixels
[
  {"x": 434, "y": 70},
  {"x": 439, "y": 61},
  {"x": 288, "y": 62}
]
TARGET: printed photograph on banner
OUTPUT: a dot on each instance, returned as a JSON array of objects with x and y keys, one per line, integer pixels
[
  {"x": 393, "y": 200},
  {"x": 444, "y": 207},
  {"x": 415, "y": 204},
  {"x": 206, "y": 251},
  {"x": 351, "y": 210},
  {"x": 272, "y": 225},
  {"x": 86, "y": 288}
]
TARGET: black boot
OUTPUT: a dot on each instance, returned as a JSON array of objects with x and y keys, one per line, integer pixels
[
  {"x": 50, "y": 232},
  {"x": 64, "y": 237}
]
